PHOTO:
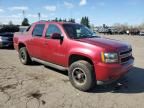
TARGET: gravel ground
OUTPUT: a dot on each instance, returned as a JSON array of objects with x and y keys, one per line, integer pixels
[{"x": 37, "y": 86}]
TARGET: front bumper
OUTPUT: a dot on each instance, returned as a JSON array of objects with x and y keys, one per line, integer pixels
[{"x": 107, "y": 73}]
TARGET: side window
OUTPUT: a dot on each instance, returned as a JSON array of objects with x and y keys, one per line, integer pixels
[
  {"x": 38, "y": 30},
  {"x": 52, "y": 29}
]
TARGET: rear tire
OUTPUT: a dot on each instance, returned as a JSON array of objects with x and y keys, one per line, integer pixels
[
  {"x": 24, "y": 56},
  {"x": 81, "y": 75}
]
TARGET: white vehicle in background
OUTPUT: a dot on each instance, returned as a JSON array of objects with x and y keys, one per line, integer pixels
[
  {"x": 23, "y": 28},
  {"x": 141, "y": 33}
]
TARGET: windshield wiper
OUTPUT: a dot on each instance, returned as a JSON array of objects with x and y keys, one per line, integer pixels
[
  {"x": 94, "y": 37},
  {"x": 86, "y": 37},
  {"x": 90, "y": 37}
]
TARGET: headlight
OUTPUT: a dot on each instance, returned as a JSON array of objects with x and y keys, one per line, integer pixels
[{"x": 109, "y": 57}]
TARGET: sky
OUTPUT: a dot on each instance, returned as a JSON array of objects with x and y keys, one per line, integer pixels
[{"x": 99, "y": 11}]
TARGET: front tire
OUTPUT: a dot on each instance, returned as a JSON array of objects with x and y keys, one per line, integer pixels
[
  {"x": 81, "y": 75},
  {"x": 24, "y": 56}
]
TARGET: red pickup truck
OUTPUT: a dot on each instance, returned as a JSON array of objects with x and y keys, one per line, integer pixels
[{"x": 89, "y": 59}]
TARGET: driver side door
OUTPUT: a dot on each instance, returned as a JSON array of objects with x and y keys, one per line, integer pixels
[{"x": 54, "y": 48}]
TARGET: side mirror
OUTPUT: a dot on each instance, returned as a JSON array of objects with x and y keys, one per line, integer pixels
[{"x": 56, "y": 36}]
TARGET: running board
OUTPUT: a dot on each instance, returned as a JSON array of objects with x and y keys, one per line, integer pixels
[{"x": 49, "y": 64}]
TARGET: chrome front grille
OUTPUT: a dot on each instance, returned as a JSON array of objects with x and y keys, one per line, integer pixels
[{"x": 125, "y": 56}]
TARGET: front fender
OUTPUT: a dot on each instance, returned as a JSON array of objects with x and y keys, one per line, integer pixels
[{"x": 81, "y": 51}]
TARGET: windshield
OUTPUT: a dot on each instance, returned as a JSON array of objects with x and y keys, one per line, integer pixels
[{"x": 77, "y": 31}]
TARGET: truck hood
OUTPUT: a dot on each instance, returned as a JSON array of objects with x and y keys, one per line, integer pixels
[{"x": 106, "y": 43}]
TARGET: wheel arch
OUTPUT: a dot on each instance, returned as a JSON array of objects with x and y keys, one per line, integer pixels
[
  {"x": 20, "y": 45},
  {"x": 75, "y": 57}
]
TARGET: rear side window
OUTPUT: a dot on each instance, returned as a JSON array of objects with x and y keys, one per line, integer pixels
[
  {"x": 38, "y": 30},
  {"x": 52, "y": 29}
]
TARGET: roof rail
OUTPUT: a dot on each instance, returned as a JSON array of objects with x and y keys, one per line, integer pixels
[{"x": 42, "y": 21}]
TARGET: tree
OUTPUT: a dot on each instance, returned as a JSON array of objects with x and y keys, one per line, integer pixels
[
  {"x": 64, "y": 20},
  {"x": 71, "y": 20},
  {"x": 85, "y": 21},
  {"x": 121, "y": 28},
  {"x": 25, "y": 22},
  {"x": 56, "y": 19},
  {"x": 60, "y": 20}
]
